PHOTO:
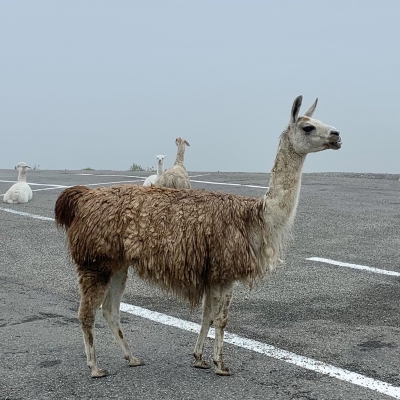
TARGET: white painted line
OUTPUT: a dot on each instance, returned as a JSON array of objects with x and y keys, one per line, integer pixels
[
  {"x": 52, "y": 188},
  {"x": 90, "y": 184},
  {"x": 231, "y": 184},
  {"x": 271, "y": 351},
  {"x": 110, "y": 183},
  {"x": 208, "y": 182},
  {"x": 25, "y": 214},
  {"x": 121, "y": 176},
  {"x": 195, "y": 176},
  {"x": 354, "y": 266},
  {"x": 133, "y": 176},
  {"x": 36, "y": 184}
]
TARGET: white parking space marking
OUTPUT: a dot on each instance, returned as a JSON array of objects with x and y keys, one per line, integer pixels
[
  {"x": 138, "y": 179},
  {"x": 270, "y": 351},
  {"x": 25, "y": 214},
  {"x": 354, "y": 266},
  {"x": 63, "y": 187},
  {"x": 196, "y": 176},
  {"x": 208, "y": 182},
  {"x": 38, "y": 184},
  {"x": 34, "y": 184},
  {"x": 110, "y": 183},
  {"x": 52, "y": 188},
  {"x": 133, "y": 176},
  {"x": 109, "y": 175}
]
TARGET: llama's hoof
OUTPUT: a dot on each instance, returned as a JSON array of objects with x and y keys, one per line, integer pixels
[
  {"x": 221, "y": 369},
  {"x": 134, "y": 361},
  {"x": 225, "y": 371},
  {"x": 98, "y": 373},
  {"x": 201, "y": 364}
]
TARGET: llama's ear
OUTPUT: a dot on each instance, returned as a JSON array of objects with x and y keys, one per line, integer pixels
[
  {"x": 187, "y": 143},
  {"x": 295, "y": 109},
  {"x": 311, "y": 110}
]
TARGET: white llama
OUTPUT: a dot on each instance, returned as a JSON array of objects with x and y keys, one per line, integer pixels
[
  {"x": 176, "y": 177},
  {"x": 20, "y": 192},
  {"x": 152, "y": 179}
]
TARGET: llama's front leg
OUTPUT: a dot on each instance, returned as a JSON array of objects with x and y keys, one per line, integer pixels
[
  {"x": 206, "y": 322},
  {"x": 92, "y": 293},
  {"x": 220, "y": 301},
  {"x": 110, "y": 309}
]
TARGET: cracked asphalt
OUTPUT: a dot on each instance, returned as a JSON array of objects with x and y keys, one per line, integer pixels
[{"x": 340, "y": 316}]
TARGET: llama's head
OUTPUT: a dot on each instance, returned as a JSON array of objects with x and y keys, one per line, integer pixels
[
  {"x": 160, "y": 158},
  {"x": 22, "y": 166},
  {"x": 308, "y": 135},
  {"x": 181, "y": 140}
]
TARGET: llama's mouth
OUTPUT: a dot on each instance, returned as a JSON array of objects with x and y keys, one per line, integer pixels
[{"x": 335, "y": 144}]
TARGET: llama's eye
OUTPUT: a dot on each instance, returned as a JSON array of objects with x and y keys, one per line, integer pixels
[{"x": 308, "y": 128}]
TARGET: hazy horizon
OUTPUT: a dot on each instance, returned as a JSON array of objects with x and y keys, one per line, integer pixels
[{"x": 105, "y": 84}]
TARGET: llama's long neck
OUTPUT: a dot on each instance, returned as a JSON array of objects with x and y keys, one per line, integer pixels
[
  {"x": 180, "y": 154},
  {"x": 282, "y": 196},
  {"x": 160, "y": 167},
  {"x": 22, "y": 175}
]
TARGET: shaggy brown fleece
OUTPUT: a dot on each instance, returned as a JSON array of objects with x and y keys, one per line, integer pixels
[{"x": 182, "y": 240}]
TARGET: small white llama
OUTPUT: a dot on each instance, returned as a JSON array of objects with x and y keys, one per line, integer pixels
[
  {"x": 20, "y": 192},
  {"x": 152, "y": 179}
]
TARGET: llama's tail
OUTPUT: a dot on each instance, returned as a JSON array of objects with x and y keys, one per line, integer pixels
[{"x": 66, "y": 205}]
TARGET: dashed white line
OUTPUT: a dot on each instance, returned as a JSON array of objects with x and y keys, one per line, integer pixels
[
  {"x": 196, "y": 181},
  {"x": 25, "y": 214},
  {"x": 114, "y": 175},
  {"x": 51, "y": 188},
  {"x": 271, "y": 351},
  {"x": 133, "y": 176},
  {"x": 196, "y": 176},
  {"x": 354, "y": 266},
  {"x": 54, "y": 187},
  {"x": 111, "y": 183},
  {"x": 35, "y": 184}
]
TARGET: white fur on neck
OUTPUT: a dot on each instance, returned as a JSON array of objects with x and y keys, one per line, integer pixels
[
  {"x": 180, "y": 155},
  {"x": 160, "y": 168},
  {"x": 22, "y": 175},
  {"x": 281, "y": 200}
]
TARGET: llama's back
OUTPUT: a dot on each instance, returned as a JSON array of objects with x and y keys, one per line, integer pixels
[
  {"x": 181, "y": 240},
  {"x": 150, "y": 180},
  {"x": 20, "y": 192},
  {"x": 175, "y": 178}
]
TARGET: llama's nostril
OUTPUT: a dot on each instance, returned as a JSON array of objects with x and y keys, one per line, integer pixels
[{"x": 335, "y": 133}]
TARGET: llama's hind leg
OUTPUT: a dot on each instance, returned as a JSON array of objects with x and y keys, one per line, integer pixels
[
  {"x": 220, "y": 301},
  {"x": 92, "y": 287},
  {"x": 206, "y": 322},
  {"x": 110, "y": 309}
]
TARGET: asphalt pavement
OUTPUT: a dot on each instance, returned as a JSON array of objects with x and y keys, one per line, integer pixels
[{"x": 337, "y": 315}]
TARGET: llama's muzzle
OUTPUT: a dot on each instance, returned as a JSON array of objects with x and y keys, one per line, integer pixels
[{"x": 335, "y": 141}]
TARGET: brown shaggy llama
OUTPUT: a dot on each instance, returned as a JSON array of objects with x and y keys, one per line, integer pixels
[
  {"x": 192, "y": 243},
  {"x": 176, "y": 177}
]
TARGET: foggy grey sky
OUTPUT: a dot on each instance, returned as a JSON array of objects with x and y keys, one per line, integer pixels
[{"x": 109, "y": 83}]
